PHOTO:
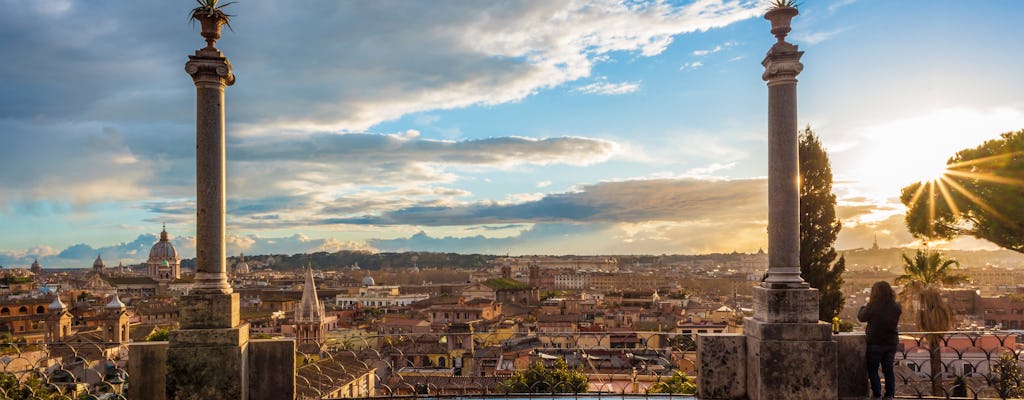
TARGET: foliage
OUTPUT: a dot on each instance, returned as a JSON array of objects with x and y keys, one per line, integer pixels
[
  {"x": 1007, "y": 377},
  {"x": 923, "y": 278},
  {"x": 210, "y": 9},
  {"x": 981, "y": 195},
  {"x": 9, "y": 279},
  {"x": 31, "y": 388},
  {"x": 819, "y": 227},
  {"x": 558, "y": 378},
  {"x": 505, "y": 283},
  {"x": 158, "y": 335},
  {"x": 679, "y": 383}
]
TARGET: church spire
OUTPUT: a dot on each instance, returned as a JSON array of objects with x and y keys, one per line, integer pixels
[{"x": 310, "y": 309}]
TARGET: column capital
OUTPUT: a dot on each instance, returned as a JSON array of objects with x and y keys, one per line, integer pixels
[
  {"x": 782, "y": 64},
  {"x": 209, "y": 66}
]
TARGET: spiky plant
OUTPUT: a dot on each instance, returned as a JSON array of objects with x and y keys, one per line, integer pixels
[
  {"x": 773, "y": 4},
  {"x": 210, "y": 9}
]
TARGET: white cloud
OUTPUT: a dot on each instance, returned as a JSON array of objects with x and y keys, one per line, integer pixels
[
  {"x": 609, "y": 88},
  {"x": 815, "y": 37},
  {"x": 691, "y": 65},
  {"x": 543, "y": 184}
]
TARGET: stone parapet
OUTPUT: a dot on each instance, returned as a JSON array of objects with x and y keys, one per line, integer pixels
[
  {"x": 721, "y": 366},
  {"x": 147, "y": 370},
  {"x": 209, "y": 311},
  {"x": 208, "y": 363},
  {"x": 851, "y": 352},
  {"x": 272, "y": 369}
]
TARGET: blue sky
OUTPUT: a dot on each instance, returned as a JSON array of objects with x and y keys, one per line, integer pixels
[{"x": 586, "y": 127}]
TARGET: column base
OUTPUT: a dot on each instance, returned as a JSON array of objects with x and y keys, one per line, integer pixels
[
  {"x": 209, "y": 311},
  {"x": 790, "y": 354},
  {"x": 791, "y": 369},
  {"x": 208, "y": 363}
]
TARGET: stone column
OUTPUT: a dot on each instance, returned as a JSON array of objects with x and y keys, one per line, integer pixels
[
  {"x": 781, "y": 66},
  {"x": 207, "y": 357},
  {"x": 211, "y": 73},
  {"x": 790, "y": 354}
]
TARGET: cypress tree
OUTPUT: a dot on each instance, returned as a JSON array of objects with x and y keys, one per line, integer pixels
[{"x": 819, "y": 227}]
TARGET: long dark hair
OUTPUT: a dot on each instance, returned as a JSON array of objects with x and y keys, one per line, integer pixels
[{"x": 882, "y": 294}]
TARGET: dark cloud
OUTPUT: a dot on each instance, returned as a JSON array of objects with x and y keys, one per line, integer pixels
[{"x": 627, "y": 201}]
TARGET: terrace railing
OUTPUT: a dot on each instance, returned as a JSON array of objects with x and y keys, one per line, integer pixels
[
  {"x": 960, "y": 365},
  {"x": 82, "y": 370}
]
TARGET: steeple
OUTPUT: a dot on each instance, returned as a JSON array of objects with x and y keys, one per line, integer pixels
[
  {"x": 310, "y": 309},
  {"x": 874, "y": 246},
  {"x": 309, "y": 318}
]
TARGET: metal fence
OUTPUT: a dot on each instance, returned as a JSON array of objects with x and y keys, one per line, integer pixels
[
  {"x": 81, "y": 370},
  {"x": 960, "y": 365}
]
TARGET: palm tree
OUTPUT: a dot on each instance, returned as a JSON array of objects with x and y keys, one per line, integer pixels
[{"x": 923, "y": 276}]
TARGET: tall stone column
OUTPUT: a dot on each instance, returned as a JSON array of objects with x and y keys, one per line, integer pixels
[
  {"x": 790, "y": 354},
  {"x": 211, "y": 73},
  {"x": 207, "y": 358}
]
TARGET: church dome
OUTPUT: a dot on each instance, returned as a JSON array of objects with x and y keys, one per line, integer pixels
[
  {"x": 98, "y": 264},
  {"x": 368, "y": 281},
  {"x": 163, "y": 250}
]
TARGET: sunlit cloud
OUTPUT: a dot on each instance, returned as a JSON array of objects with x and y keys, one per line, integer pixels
[{"x": 609, "y": 88}]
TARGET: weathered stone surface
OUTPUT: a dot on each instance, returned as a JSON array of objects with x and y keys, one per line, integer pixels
[
  {"x": 208, "y": 363},
  {"x": 786, "y": 305},
  {"x": 852, "y": 365},
  {"x": 791, "y": 369},
  {"x": 816, "y": 331},
  {"x": 721, "y": 366},
  {"x": 147, "y": 368},
  {"x": 209, "y": 311},
  {"x": 271, "y": 369}
]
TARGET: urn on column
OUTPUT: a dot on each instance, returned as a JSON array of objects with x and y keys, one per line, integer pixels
[
  {"x": 780, "y": 14},
  {"x": 212, "y": 18}
]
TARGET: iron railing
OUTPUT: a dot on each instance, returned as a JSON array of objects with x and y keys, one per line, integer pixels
[
  {"x": 963, "y": 365},
  {"x": 76, "y": 370}
]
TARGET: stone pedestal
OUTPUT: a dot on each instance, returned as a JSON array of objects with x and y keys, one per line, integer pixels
[
  {"x": 209, "y": 311},
  {"x": 208, "y": 363},
  {"x": 790, "y": 354}
]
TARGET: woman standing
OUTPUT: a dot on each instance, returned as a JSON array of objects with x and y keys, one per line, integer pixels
[{"x": 882, "y": 313}]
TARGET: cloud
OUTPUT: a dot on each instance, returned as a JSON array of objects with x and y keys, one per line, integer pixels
[
  {"x": 608, "y": 88},
  {"x": 627, "y": 201},
  {"x": 713, "y": 50},
  {"x": 691, "y": 65},
  {"x": 136, "y": 251},
  {"x": 464, "y": 55},
  {"x": 598, "y": 238},
  {"x": 815, "y": 37},
  {"x": 543, "y": 184}
]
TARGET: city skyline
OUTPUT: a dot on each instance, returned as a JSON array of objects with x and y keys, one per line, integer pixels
[{"x": 522, "y": 128}]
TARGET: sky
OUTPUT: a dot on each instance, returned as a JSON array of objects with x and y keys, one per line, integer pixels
[{"x": 518, "y": 127}]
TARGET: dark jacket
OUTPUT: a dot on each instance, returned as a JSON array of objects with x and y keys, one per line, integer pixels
[{"x": 882, "y": 320}]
